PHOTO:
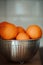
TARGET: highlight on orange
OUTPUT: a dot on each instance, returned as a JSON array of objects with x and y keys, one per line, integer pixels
[
  {"x": 8, "y": 31},
  {"x": 34, "y": 31},
  {"x": 22, "y": 36}
]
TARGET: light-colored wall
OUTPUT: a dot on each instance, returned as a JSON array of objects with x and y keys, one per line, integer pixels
[
  {"x": 2, "y": 9},
  {"x": 22, "y": 12}
]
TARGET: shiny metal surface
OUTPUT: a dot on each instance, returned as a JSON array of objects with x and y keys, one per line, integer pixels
[{"x": 16, "y": 50}]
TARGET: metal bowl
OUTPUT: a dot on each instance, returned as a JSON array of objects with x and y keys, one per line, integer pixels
[{"x": 19, "y": 50}]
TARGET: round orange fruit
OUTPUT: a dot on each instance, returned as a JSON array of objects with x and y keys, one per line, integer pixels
[
  {"x": 20, "y": 29},
  {"x": 34, "y": 31},
  {"x": 9, "y": 31},
  {"x": 3, "y": 23},
  {"x": 22, "y": 36}
]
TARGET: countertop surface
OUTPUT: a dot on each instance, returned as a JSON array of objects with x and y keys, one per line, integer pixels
[
  {"x": 36, "y": 60},
  {"x": 41, "y": 54}
]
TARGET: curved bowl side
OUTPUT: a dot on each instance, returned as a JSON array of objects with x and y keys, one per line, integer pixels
[{"x": 16, "y": 50}]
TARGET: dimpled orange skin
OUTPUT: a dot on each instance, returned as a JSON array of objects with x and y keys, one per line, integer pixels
[
  {"x": 22, "y": 36},
  {"x": 20, "y": 29},
  {"x": 34, "y": 31},
  {"x": 3, "y": 23},
  {"x": 9, "y": 31}
]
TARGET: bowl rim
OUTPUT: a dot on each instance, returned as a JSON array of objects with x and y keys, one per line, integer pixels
[{"x": 20, "y": 40}]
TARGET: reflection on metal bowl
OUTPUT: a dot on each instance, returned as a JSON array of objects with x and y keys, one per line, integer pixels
[{"x": 19, "y": 50}]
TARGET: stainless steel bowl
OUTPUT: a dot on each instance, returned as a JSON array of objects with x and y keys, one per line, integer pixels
[{"x": 19, "y": 50}]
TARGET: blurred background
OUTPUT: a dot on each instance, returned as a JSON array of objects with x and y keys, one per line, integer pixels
[{"x": 22, "y": 12}]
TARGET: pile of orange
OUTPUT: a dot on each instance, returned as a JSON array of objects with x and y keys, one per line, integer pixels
[{"x": 10, "y": 31}]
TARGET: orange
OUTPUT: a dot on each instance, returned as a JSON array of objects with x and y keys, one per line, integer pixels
[
  {"x": 3, "y": 23},
  {"x": 22, "y": 36},
  {"x": 20, "y": 29},
  {"x": 34, "y": 31},
  {"x": 9, "y": 31}
]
